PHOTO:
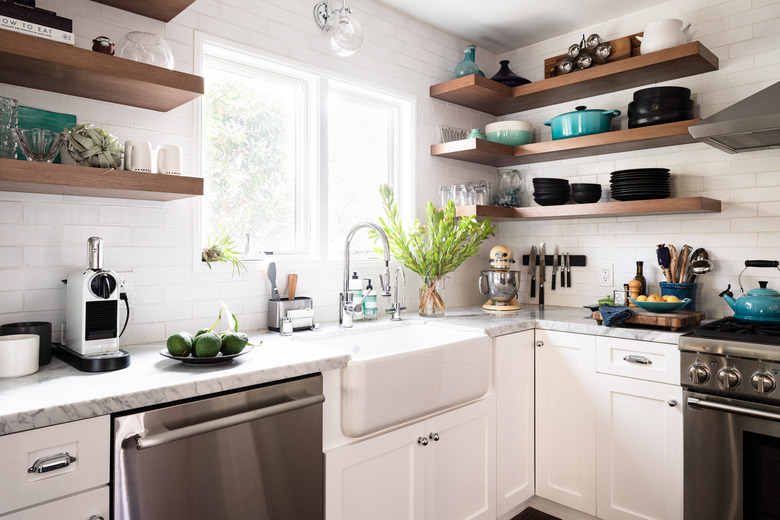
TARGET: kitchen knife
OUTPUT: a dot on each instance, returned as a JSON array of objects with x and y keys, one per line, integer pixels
[
  {"x": 272, "y": 279},
  {"x": 555, "y": 267},
  {"x": 532, "y": 264},
  {"x": 541, "y": 273},
  {"x": 568, "y": 271}
]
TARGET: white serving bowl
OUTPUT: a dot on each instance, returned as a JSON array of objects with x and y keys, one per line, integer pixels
[{"x": 514, "y": 133}]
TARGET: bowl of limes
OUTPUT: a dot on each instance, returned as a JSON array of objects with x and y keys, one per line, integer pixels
[{"x": 660, "y": 304}]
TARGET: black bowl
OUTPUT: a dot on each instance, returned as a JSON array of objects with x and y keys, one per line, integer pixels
[
  {"x": 660, "y": 118},
  {"x": 586, "y": 197},
  {"x": 552, "y": 191},
  {"x": 585, "y": 186},
  {"x": 654, "y": 92}
]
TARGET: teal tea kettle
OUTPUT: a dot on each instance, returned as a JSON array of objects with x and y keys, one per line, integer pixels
[{"x": 758, "y": 305}]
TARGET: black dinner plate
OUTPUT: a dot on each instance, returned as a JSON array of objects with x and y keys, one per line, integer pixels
[
  {"x": 640, "y": 196},
  {"x": 641, "y": 170}
]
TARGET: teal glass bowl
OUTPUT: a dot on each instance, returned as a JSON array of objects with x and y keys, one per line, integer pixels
[{"x": 510, "y": 137}]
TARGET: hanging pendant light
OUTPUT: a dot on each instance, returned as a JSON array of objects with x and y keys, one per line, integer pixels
[{"x": 342, "y": 27}]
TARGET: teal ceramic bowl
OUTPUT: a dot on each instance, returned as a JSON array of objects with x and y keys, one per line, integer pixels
[
  {"x": 510, "y": 137},
  {"x": 661, "y": 306}
]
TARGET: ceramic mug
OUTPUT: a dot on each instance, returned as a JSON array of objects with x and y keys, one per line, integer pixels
[
  {"x": 169, "y": 159},
  {"x": 138, "y": 156}
]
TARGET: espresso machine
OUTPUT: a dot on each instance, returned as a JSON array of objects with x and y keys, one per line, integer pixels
[
  {"x": 500, "y": 283},
  {"x": 92, "y": 316}
]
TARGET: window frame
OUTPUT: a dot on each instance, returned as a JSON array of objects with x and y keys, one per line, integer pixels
[{"x": 311, "y": 203}]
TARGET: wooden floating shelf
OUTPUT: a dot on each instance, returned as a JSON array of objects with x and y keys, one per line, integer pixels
[
  {"x": 597, "y": 209},
  {"x": 33, "y": 62},
  {"x": 61, "y": 179},
  {"x": 163, "y": 10},
  {"x": 495, "y": 98},
  {"x": 494, "y": 154}
]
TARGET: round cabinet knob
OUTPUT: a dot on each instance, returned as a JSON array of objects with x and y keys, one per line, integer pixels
[
  {"x": 698, "y": 373},
  {"x": 672, "y": 402},
  {"x": 434, "y": 436},
  {"x": 762, "y": 382},
  {"x": 540, "y": 343},
  {"x": 422, "y": 440},
  {"x": 729, "y": 377},
  {"x": 96, "y": 517}
]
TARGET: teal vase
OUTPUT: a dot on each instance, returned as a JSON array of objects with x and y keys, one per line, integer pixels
[{"x": 468, "y": 65}]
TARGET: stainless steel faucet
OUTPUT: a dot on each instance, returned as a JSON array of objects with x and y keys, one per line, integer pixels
[
  {"x": 395, "y": 309},
  {"x": 347, "y": 308}
]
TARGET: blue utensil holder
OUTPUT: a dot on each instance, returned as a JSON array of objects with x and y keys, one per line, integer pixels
[{"x": 682, "y": 291}]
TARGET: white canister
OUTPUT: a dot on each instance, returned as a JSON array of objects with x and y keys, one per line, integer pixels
[
  {"x": 18, "y": 355},
  {"x": 138, "y": 156},
  {"x": 169, "y": 159},
  {"x": 663, "y": 34}
]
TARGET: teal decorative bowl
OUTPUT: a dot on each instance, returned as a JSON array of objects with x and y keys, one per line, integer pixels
[{"x": 661, "y": 306}]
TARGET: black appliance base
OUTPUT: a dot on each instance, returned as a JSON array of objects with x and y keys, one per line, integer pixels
[{"x": 92, "y": 363}]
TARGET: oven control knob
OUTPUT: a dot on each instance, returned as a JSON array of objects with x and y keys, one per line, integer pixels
[
  {"x": 762, "y": 382},
  {"x": 698, "y": 373},
  {"x": 729, "y": 377}
]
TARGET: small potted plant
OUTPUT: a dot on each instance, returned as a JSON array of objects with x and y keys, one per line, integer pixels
[
  {"x": 93, "y": 146},
  {"x": 435, "y": 249}
]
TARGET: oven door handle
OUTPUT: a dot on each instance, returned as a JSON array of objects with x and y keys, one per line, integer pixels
[
  {"x": 759, "y": 414},
  {"x": 142, "y": 442}
]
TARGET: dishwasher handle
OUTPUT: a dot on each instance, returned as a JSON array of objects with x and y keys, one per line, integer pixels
[{"x": 157, "y": 439}]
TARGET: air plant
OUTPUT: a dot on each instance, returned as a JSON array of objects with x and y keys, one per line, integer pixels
[
  {"x": 93, "y": 146},
  {"x": 221, "y": 248}
]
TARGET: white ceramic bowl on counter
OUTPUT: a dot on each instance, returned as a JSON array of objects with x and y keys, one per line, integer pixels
[
  {"x": 513, "y": 133},
  {"x": 18, "y": 355}
]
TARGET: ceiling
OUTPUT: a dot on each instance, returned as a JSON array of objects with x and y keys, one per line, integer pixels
[{"x": 505, "y": 25}]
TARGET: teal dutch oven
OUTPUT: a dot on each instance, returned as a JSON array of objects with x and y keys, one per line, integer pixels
[
  {"x": 581, "y": 122},
  {"x": 758, "y": 305}
]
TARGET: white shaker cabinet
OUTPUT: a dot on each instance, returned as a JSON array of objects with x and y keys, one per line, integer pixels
[
  {"x": 514, "y": 384},
  {"x": 566, "y": 419},
  {"x": 439, "y": 469},
  {"x": 58, "y": 472},
  {"x": 639, "y": 430}
]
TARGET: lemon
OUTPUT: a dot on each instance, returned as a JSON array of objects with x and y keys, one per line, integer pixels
[
  {"x": 671, "y": 298},
  {"x": 641, "y": 298},
  {"x": 233, "y": 342},
  {"x": 655, "y": 298},
  {"x": 179, "y": 344},
  {"x": 206, "y": 345}
]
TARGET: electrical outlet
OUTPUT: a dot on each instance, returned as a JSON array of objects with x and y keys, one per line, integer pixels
[{"x": 605, "y": 276}]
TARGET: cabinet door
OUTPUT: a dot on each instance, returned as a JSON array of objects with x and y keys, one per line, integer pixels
[
  {"x": 566, "y": 419},
  {"x": 514, "y": 379},
  {"x": 91, "y": 505},
  {"x": 461, "y": 464},
  {"x": 381, "y": 478},
  {"x": 640, "y": 442}
]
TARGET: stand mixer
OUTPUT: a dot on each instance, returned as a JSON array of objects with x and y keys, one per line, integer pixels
[{"x": 500, "y": 284}]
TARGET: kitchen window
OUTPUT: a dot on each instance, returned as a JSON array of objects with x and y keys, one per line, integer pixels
[{"x": 293, "y": 158}]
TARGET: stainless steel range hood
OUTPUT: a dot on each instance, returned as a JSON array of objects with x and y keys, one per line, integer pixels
[{"x": 748, "y": 125}]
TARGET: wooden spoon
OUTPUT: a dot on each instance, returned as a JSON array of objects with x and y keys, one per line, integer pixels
[
  {"x": 292, "y": 284},
  {"x": 673, "y": 263},
  {"x": 682, "y": 262}
]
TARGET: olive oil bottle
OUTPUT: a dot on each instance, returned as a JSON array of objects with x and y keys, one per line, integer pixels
[{"x": 640, "y": 277}]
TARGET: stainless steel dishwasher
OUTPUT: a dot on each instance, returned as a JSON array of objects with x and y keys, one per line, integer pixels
[{"x": 253, "y": 454}]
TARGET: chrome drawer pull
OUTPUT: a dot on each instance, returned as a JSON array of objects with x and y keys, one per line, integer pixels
[
  {"x": 634, "y": 358},
  {"x": 51, "y": 462}
]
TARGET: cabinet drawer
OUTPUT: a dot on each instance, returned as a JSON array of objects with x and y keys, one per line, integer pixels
[
  {"x": 85, "y": 441},
  {"x": 647, "y": 360},
  {"x": 92, "y": 505}
]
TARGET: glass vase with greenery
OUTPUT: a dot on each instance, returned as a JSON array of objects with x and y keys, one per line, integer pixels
[{"x": 434, "y": 249}]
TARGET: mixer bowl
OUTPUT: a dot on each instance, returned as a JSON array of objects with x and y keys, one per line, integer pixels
[{"x": 499, "y": 286}]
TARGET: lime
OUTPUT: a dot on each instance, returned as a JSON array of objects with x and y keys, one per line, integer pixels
[
  {"x": 233, "y": 342},
  {"x": 201, "y": 332},
  {"x": 179, "y": 344},
  {"x": 206, "y": 345}
]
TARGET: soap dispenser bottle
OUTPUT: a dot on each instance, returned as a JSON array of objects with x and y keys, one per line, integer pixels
[
  {"x": 369, "y": 305},
  {"x": 356, "y": 288}
]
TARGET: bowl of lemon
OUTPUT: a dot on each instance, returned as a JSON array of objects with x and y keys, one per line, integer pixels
[{"x": 658, "y": 303}]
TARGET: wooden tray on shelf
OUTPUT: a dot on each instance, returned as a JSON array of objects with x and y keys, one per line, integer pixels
[{"x": 671, "y": 320}]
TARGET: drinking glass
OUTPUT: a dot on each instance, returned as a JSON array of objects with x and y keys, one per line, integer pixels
[{"x": 8, "y": 121}]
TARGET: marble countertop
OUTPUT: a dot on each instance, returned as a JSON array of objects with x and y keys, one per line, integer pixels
[{"x": 59, "y": 393}]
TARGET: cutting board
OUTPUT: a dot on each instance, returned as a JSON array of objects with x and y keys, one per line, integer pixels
[{"x": 671, "y": 320}]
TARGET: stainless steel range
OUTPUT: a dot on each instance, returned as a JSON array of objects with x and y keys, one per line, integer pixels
[{"x": 730, "y": 374}]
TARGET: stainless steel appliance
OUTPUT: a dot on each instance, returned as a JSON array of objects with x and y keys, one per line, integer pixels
[
  {"x": 729, "y": 369},
  {"x": 500, "y": 284},
  {"x": 253, "y": 454}
]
